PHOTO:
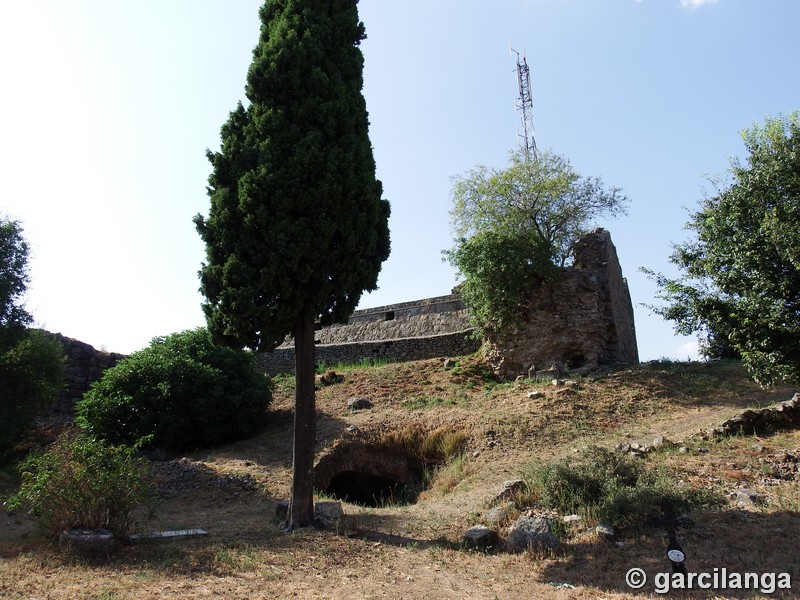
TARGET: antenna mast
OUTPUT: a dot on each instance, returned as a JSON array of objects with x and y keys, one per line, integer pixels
[{"x": 524, "y": 106}]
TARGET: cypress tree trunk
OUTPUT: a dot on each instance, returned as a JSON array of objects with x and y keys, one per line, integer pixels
[{"x": 301, "y": 503}]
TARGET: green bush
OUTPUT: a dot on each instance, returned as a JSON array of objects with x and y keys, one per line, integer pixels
[
  {"x": 81, "y": 482},
  {"x": 604, "y": 485},
  {"x": 31, "y": 375},
  {"x": 182, "y": 392}
]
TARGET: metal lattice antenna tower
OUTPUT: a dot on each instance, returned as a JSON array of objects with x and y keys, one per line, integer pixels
[{"x": 524, "y": 106}]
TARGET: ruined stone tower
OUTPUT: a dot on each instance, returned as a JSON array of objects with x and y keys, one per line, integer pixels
[{"x": 585, "y": 319}]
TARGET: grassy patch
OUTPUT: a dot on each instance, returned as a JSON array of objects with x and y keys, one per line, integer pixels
[
  {"x": 364, "y": 363},
  {"x": 423, "y": 402}
]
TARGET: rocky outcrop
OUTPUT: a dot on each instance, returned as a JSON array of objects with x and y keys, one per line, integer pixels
[{"x": 784, "y": 415}]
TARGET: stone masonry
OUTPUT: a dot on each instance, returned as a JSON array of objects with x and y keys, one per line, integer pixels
[
  {"x": 428, "y": 328},
  {"x": 585, "y": 319},
  {"x": 84, "y": 365}
]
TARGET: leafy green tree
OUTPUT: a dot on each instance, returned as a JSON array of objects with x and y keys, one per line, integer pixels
[
  {"x": 14, "y": 279},
  {"x": 516, "y": 226},
  {"x": 740, "y": 283},
  {"x": 31, "y": 375},
  {"x": 180, "y": 393},
  {"x": 501, "y": 268},
  {"x": 297, "y": 229},
  {"x": 31, "y": 363}
]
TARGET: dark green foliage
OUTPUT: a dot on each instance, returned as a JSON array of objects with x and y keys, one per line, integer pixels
[
  {"x": 31, "y": 364},
  {"x": 501, "y": 268},
  {"x": 609, "y": 486},
  {"x": 297, "y": 224},
  {"x": 297, "y": 229},
  {"x": 740, "y": 287},
  {"x": 516, "y": 227},
  {"x": 183, "y": 391},
  {"x": 31, "y": 375},
  {"x": 81, "y": 482},
  {"x": 13, "y": 283}
]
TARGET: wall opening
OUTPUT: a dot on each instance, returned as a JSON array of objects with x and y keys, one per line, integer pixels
[
  {"x": 370, "y": 490},
  {"x": 389, "y": 316},
  {"x": 576, "y": 360},
  {"x": 388, "y": 469}
]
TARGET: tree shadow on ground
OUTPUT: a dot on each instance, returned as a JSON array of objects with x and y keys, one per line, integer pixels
[{"x": 738, "y": 541}]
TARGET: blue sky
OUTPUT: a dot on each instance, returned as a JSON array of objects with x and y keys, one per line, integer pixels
[{"x": 108, "y": 107}]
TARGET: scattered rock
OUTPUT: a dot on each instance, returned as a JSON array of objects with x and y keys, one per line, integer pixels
[
  {"x": 480, "y": 537},
  {"x": 784, "y": 415},
  {"x": 330, "y": 377},
  {"x": 532, "y": 533},
  {"x": 571, "y": 518},
  {"x": 510, "y": 488},
  {"x": 660, "y": 441},
  {"x": 758, "y": 447},
  {"x": 536, "y": 394},
  {"x": 352, "y": 430},
  {"x": 745, "y": 498},
  {"x": 496, "y": 516},
  {"x": 359, "y": 403},
  {"x": 554, "y": 372},
  {"x": 605, "y": 531},
  {"x": 328, "y": 513},
  {"x": 87, "y": 542}
]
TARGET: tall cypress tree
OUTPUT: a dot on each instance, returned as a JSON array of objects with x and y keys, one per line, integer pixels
[{"x": 297, "y": 229}]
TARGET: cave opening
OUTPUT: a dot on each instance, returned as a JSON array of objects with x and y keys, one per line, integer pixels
[{"x": 368, "y": 489}]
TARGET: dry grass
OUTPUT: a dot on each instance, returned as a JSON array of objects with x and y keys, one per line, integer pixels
[{"x": 414, "y": 551}]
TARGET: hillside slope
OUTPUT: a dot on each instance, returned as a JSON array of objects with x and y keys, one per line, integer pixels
[{"x": 412, "y": 550}]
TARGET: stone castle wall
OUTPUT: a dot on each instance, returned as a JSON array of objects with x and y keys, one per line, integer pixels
[
  {"x": 404, "y": 349},
  {"x": 427, "y": 328},
  {"x": 583, "y": 320},
  {"x": 84, "y": 365}
]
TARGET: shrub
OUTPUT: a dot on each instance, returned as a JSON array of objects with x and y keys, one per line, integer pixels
[
  {"x": 606, "y": 485},
  {"x": 182, "y": 392},
  {"x": 31, "y": 374},
  {"x": 81, "y": 482}
]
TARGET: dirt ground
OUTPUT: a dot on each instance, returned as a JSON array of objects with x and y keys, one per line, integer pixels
[{"x": 415, "y": 551}]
